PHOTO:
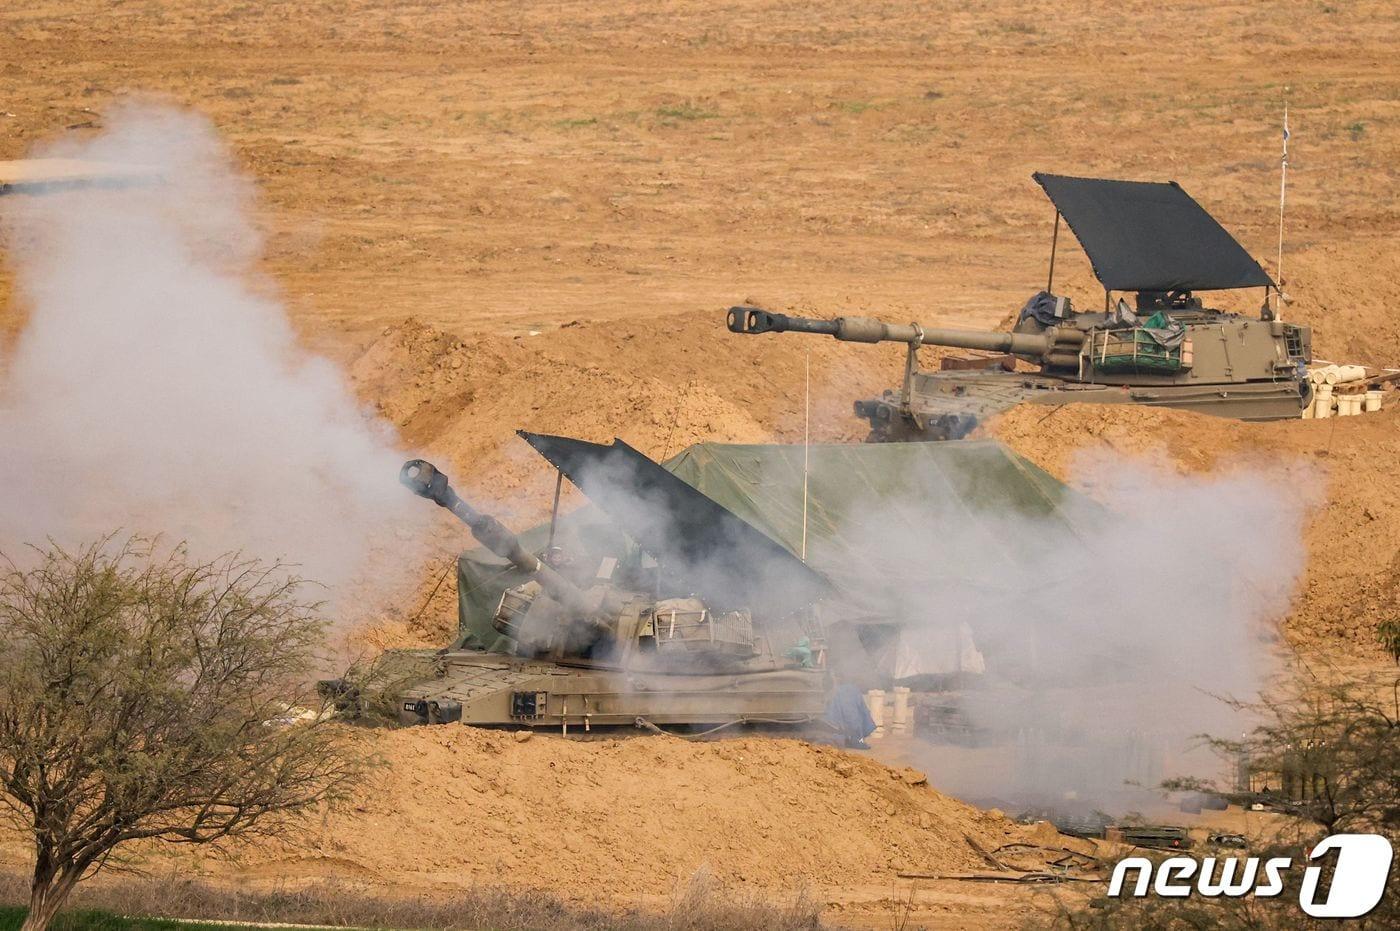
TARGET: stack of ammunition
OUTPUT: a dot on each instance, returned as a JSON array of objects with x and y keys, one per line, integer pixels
[{"x": 1343, "y": 390}]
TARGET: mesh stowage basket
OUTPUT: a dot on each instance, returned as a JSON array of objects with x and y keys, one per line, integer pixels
[{"x": 1134, "y": 351}]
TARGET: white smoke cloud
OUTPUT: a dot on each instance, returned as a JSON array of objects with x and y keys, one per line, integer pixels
[
  {"x": 158, "y": 386},
  {"x": 1108, "y": 632}
]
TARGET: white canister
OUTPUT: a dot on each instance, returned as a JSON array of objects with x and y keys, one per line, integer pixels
[
  {"x": 900, "y": 722},
  {"x": 1350, "y": 373},
  {"x": 1322, "y": 401},
  {"x": 875, "y": 702}
]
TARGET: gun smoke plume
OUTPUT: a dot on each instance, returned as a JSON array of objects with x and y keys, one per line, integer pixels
[
  {"x": 158, "y": 387},
  {"x": 1078, "y": 652},
  {"x": 1108, "y": 634}
]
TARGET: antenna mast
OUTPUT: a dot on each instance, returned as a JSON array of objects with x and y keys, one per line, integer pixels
[
  {"x": 1282, "y": 192},
  {"x": 806, "y": 445}
]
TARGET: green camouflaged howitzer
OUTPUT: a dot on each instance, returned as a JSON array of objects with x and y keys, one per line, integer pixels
[
  {"x": 599, "y": 651},
  {"x": 1164, "y": 350}
]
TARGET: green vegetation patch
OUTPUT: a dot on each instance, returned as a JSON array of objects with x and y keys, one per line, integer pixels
[
  {"x": 11, "y": 917},
  {"x": 686, "y": 111}
]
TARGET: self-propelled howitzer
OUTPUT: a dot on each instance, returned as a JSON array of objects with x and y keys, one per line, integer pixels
[
  {"x": 1166, "y": 349},
  {"x": 1185, "y": 357},
  {"x": 595, "y": 645}
]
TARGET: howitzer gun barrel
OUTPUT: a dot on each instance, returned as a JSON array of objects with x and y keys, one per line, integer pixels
[
  {"x": 867, "y": 330},
  {"x": 426, "y": 481}
]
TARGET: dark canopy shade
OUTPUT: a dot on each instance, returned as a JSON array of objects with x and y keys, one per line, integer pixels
[
  {"x": 1150, "y": 236},
  {"x": 726, "y": 560}
]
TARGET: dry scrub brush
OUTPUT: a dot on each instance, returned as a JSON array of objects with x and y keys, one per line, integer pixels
[
  {"x": 1338, "y": 740},
  {"x": 698, "y": 907},
  {"x": 147, "y": 696}
]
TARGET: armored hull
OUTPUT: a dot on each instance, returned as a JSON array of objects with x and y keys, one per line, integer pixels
[
  {"x": 949, "y": 405},
  {"x": 482, "y": 688}
]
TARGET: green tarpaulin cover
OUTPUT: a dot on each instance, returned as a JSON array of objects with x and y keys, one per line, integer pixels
[{"x": 895, "y": 490}]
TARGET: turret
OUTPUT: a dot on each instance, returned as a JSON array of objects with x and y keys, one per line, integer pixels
[{"x": 614, "y": 622}]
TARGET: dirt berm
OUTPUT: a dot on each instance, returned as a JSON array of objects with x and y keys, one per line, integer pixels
[
  {"x": 1346, "y": 469},
  {"x": 627, "y": 819}
]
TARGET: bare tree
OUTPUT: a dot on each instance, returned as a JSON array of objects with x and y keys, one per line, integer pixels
[
  {"x": 1388, "y": 633},
  {"x": 1328, "y": 747},
  {"x": 147, "y": 696}
]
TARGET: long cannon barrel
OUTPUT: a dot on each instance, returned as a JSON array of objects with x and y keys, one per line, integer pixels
[
  {"x": 426, "y": 481},
  {"x": 867, "y": 330}
]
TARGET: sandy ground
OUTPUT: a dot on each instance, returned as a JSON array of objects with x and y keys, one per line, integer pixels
[
  {"x": 533, "y": 215},
  {"x": 631, "y": 823}
]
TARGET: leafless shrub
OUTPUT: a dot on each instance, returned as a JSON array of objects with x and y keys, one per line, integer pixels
[{"x": 1331, "y": 749}]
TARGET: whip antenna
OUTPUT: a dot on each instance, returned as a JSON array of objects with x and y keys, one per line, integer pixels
[
  {"x": 806, "y": 444},
  {"x": 1282, "y": 192}
]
